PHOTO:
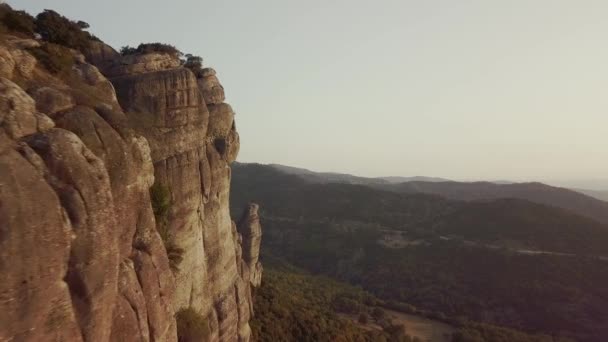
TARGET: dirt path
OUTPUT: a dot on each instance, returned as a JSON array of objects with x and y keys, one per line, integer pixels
[
  {"x": 423, "y": 328},
  {"x": 416, "y": 326}
]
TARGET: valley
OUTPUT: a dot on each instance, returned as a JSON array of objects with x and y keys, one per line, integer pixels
[
  {"x": 507, "y": 263},
  {"x": 133, "y": 209}
]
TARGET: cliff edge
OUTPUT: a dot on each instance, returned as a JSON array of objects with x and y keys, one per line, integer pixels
[{"x": 114, "y": 194}]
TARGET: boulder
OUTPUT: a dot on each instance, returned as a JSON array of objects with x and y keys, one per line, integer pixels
[
  {"x": 210, "y": 86},
  {"x": 221, "y": 120},
  {"x": 18, "y": 115},
  {"x": 51, "y": 100}
]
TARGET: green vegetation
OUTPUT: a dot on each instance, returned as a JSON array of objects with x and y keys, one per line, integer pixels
[
  {"x": 58, "y": 29},
  {"x": 16, "y": 21},
  {"x": 294, "y": 306},
  {"x": 191, "y": 326},
  {"x": 52, "y": 27},
  {"x": 446, "y": 280},
  {"x": 55, "y": 58},
  {"x": 195, "y": 64},
  {"x": 500, "y": 222},
  {"x": 521, "y": 224},
  {"x": 59, "y": 36},
  {"x": 461, "y": 262},
  {"x": 149, "y": 48},
  {"x": 192, "y": 62},
  {"x": 127, "y": 50},
  {"x": 533, "y": 192},
  {"x": 160, "y": 197}
]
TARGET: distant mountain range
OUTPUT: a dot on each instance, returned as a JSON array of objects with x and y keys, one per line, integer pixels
[
  {"x": 574, "y": 201},
  {"x": 599, "y": 194},
  {"x": 333, "y": 177},
  {"x": 588, "y": 203},
  {"x": 463, "y": 252},
  {"x": 398, "y": 179},
  {"x": 327, "y": 177}
]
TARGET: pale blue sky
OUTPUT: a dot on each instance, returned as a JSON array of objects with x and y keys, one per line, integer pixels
[{"x": 513, "y": 89}]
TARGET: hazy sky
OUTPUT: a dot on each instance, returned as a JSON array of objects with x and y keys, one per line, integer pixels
[{"x": 512, "y": 89}]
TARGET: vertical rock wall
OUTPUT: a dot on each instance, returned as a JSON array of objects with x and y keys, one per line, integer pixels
[
  {"x": 80, "y": 253},
  {"x": 193, "y": 139}
]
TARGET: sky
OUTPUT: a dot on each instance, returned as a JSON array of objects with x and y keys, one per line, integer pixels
[{"x": 468, "y": 90}]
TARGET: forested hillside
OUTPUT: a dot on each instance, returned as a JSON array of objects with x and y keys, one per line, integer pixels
[
  {"x": 506, "y": 262},
  {"x": 294, "y": 305}
]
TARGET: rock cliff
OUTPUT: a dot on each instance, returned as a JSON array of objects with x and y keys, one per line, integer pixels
[{"x": 87, "y": 251}]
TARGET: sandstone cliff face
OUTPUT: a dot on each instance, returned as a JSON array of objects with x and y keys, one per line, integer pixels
[
  {"x": 80, "y": 251},
  {"x": 192, "y": 144}
]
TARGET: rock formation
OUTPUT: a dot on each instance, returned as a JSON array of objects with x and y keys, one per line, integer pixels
[
  {"x": 84, "y": 253},
  {"x": 250, "y": 232}
]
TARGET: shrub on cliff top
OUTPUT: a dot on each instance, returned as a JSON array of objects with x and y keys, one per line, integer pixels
[
  {"x": 127, "y": 50},
  {"x": 16, "y": 21},
  {"x": 149, "y": 48},
  {"x": 191, "y": 326},
  {"x": 194, "y": 63},
  {"x": 58, "y": 29}
]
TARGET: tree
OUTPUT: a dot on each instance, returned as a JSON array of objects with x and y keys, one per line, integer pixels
[
  {"x": 83, "y": 25},
  {"x": 127, "y": 50},
  {"x": 19, "y": 21},
  {"x": 194, "y": 61},
  {"x": 58, "y": 29}
]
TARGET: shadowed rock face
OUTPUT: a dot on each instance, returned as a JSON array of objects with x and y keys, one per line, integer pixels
[{"x": 80, "y": 253}]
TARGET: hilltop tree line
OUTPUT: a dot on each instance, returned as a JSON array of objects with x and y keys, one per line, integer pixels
[
  {"x": 54, "y": 28},
  {"x": 190, "y": 61}
]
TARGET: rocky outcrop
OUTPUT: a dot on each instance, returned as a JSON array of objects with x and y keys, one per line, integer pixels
[
  {"x": 80, "y": 250},
  {"x": 51, "y": 100},
  {"x": 15, "y": 60},
  {"x": 35, "y": 234},
  {"x": 251, "y": 236},
  {"x": 100, "y": 251},
  {"x": 210, "y": 86},
  {"x": 101, "y": 55},
  {"x": 192, "y": 144},
  {"x": 142, "y": 63},
  {"x": 18, "y": 115}
]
